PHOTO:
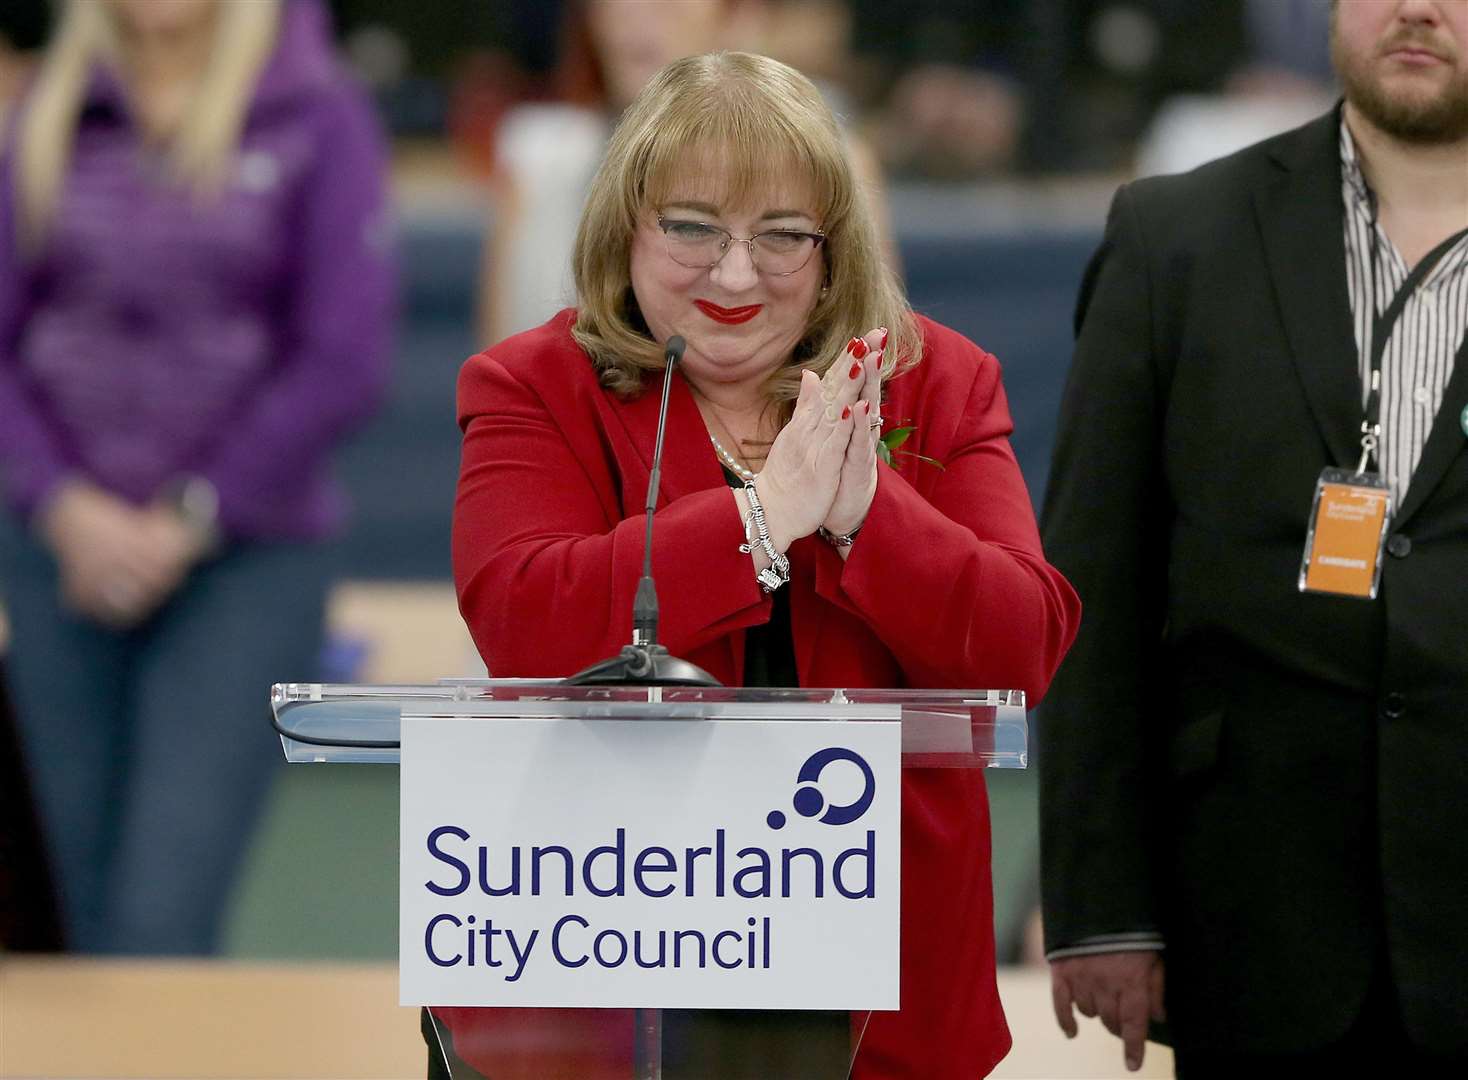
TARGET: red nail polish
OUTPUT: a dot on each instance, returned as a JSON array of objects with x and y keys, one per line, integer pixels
[
  {"x": 858, "y": 348},
  {"x": 866, "y": 408},
  {"x": 851, "y": 345},
  {"x": 846, "y": 413},
  {"x": 855, "y": 369},
  {"x": 884, "y": 338}
]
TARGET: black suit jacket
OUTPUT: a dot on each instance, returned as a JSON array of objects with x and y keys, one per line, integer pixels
[{"x": 1277, "y": 782}]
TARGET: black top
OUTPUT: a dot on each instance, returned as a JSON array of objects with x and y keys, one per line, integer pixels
[{"x": 769, "y": 649}]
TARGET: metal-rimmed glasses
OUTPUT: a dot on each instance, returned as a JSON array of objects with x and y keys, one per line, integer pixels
[{"x": 700, "y": 246}]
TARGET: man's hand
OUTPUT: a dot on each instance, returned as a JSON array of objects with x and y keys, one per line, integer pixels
[{"x": 1123, "y": 988}]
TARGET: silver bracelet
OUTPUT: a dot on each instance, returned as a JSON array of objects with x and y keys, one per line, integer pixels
[
  {"x": 778, "y": 572},
  {"x": 839, "y": 540}
]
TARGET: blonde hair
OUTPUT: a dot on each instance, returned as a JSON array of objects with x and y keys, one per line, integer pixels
[
  {"x": 766, "y": 123},
  {"x": 199, "y": 151}
]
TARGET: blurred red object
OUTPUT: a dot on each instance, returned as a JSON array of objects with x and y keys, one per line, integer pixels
[{"x": 485, "y": 86}]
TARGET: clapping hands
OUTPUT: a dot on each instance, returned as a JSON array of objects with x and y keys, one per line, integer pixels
[{"x": 822, "y": 468}]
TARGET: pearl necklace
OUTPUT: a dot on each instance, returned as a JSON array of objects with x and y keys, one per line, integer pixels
[{"x": 730, "y": 461}]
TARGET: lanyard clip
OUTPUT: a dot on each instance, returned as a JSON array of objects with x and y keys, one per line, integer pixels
[{"x": 1370, "y": 434}]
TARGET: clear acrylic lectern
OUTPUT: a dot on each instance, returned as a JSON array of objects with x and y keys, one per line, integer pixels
[{"x": 939, "y": 729}]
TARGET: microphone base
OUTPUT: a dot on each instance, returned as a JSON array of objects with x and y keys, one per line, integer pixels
[{"x": 642, "y": 665}]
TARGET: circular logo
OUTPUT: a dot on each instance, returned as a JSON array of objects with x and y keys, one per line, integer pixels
[{"x": 808, "y": 799}]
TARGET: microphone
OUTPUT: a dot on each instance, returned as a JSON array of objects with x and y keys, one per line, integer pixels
[{"x": 645, "y": 662}]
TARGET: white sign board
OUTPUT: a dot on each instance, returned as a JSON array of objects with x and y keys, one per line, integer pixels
[{"x": 640, "y": 864}]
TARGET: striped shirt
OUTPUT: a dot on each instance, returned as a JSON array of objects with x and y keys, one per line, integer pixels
[{"x": 1418, "y": 359}]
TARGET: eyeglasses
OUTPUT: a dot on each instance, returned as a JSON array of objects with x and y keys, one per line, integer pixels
[{"x": 699, "y": 246}]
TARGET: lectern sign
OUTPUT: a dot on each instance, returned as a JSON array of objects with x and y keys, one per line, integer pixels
[{"x": 641, "y": 863}]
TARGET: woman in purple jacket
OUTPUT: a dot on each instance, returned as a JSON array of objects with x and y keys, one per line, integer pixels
[{"x": 196, "y": 292}]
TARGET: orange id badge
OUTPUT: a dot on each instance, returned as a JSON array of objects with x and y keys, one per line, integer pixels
[{"x": 1348, "y": 527}]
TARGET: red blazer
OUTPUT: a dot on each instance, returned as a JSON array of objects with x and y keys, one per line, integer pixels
[{"x": 945, "y": 587}]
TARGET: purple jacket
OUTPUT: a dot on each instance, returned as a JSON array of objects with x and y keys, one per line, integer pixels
[{"x": 237, "y": 339}]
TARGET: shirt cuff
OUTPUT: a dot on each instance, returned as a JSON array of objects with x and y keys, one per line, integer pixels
[{"x": 1142, "y": 940}]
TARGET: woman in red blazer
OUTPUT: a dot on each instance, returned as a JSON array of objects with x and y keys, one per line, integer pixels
[{"x": 786, "y": 551}]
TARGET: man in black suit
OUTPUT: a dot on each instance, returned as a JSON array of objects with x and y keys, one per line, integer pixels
[{"x": 1254, "y": 798}]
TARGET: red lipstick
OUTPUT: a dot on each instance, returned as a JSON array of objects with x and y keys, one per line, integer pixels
[{"x": 729, "y": 316}]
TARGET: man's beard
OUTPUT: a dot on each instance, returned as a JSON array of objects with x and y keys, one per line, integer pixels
[{"x": 1410, "y": 118}]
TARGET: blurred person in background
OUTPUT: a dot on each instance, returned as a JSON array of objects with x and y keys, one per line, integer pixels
[
  {"x": 988, "y": 88},
  {"x": 195, "y": 302},
  {"x": 546, "y": 153},
  {"x": 945, "y": 84},
  {"x": 1093, "y": 72},
  {"x": 1281, "y": 80}
]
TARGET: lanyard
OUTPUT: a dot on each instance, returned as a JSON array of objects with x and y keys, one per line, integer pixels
[{"x": 1383, "y": 325}]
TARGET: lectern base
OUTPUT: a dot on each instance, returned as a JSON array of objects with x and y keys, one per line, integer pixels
[
  {"x": 674, "y": 1044},
  {"x": 734, "y": 1044}
]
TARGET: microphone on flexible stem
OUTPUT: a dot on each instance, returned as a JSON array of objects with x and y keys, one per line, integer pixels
[{"x": 645, "y": 662}]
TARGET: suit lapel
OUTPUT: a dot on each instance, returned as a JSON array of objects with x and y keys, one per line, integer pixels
[
  {"x": 1301, "y": 220},
  {"x": 689, "y": 463},
  {"x": 1445, "y": 440}
]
